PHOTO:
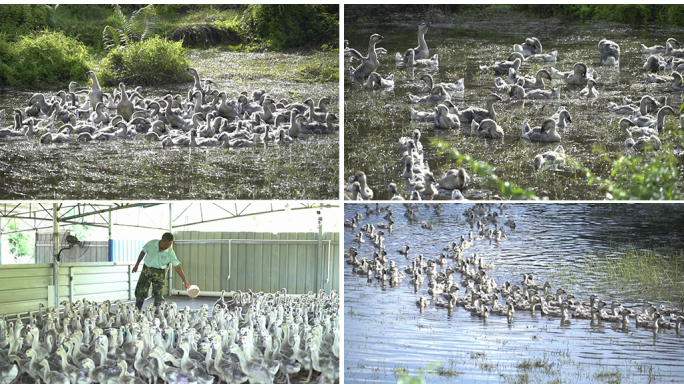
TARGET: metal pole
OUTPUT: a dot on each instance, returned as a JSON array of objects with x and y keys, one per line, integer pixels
[
  {"x": 110, "y": 245},
  {"x": 55, "y": 251},
  {"x": 320, "y": 248},
  {"x": 170, "y": 230}
]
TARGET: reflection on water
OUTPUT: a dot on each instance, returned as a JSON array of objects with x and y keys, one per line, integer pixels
[
  {"x": 374, "y": 121},
  {"x": 384, "y": 330}
]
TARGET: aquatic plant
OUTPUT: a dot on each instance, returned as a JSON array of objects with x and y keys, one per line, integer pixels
[
  {"x": 43, "y": 58},
  {"x": 657, "y": 273},
  {"x": 507, "y": 190},
  {"x": 149, "y": 62},
  {"x": 320, "y": 69},
  {"x": 648, "y": 176}
]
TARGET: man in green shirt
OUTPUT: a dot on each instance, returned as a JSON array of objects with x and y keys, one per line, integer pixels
[{"x": 158, "y": 254}]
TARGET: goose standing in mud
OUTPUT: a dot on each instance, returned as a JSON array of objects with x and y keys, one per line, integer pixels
[
  {"x": 95, "y": 95},
  {"x": 421, "y": 51},
  {"x": 370, "y": 63}
]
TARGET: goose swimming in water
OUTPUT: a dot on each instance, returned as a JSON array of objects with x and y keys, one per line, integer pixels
[
  {"x": 655, "y": 64},
  {"x": 543, "y": 58},
  {"x": 609, "y": 52},
  {"x": 644, "y": 143},
  {"x": 659, "y": 120},
  {"x": 412, "y": 62},
  {"x": 353, "y": 53},
  {"x": 549, "y": 158},
  {"x": 394, "y": 195},
  {"x": 478, "y": 114},
  {"x": 449, "y": 87},
  {"x": 518, "y": 92},
  {"x": 677, "y": 84},
  {"x": 502, "y": 67},
  {"x": 660, "y": 49},
  {"x": 530, "y": 47},
  {"x": 365, "y": 192},
  {"x": 487, "y": 128},
  {"x": 530, "y": 83},
  {"x": 438, "y": 95},
  {"x": 454, "y": 179},
  {"x": 562, "y": 117},
  {"x": 626, "y": 130},
  {"x": 375, "y": 81},
  {"x": 370, "y": 63},
  {"x": 589, "y": 92},
  {"x": 546, "y": 133},
  {"x": 421, "y": 51},
  {"x": 670, "y": 51},
  {"x": 444, "y": 119},
  {"x": 580, "y": 74}
]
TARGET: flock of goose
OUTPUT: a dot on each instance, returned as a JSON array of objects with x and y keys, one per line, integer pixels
[
  {"x": 482, "y": 295},
  {"x": 205, "y": 118},
  {"x": 254, "y": 337},
  {"x": 640, "y": 128}
]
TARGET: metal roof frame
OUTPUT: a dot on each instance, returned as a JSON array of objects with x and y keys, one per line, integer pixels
[{"x": 98, "y": 214}]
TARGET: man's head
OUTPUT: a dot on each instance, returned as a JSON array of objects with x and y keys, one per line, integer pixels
[{"x": 166, "y": 241}]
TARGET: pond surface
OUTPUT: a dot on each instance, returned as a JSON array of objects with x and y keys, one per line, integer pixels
[
  {"x": 138, "y": 169},
  {"x": 385, "y": 332},
  {"x": 375, "y": 120}
]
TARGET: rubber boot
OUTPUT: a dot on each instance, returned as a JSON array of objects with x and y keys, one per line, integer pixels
[{"x": 139, "y": 303}]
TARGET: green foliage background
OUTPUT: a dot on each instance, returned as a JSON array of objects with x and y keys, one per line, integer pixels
[{"x": 52, "y": 45}]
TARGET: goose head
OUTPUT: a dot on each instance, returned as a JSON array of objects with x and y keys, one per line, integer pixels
[
  {"x": 376, "y": 38},
  {"x": 423, "y": 27}
]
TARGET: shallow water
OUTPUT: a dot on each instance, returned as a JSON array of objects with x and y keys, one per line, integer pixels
[
  {"x": 374, "y": 121},
  {"x": 385, "y": 331},
  {"x": 140, "y": 169}
]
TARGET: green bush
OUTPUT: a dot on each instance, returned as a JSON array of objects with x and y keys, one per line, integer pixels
[
  {"x": 675, "y": 14},
  {"x": 150, "y": 62},
  {"x": 20, "y": 19},
  {"x": 291, "y": 26},
  {"x": 45, "y": 58},
  {"x": 8, "y": 61}
]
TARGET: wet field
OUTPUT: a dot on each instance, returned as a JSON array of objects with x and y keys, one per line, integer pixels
[
  {"x": 375, "y": 120},
  {"x": 138, "y": 169},
  {"x": 387, "y": 336}
]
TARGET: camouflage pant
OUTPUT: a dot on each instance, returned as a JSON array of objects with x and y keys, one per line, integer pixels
[{"x": 150, "y": 276}]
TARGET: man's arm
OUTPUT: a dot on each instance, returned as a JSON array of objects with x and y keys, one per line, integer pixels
[
  {"x": 179, "y": 270},
  {"x": 140, "y": 257}
]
